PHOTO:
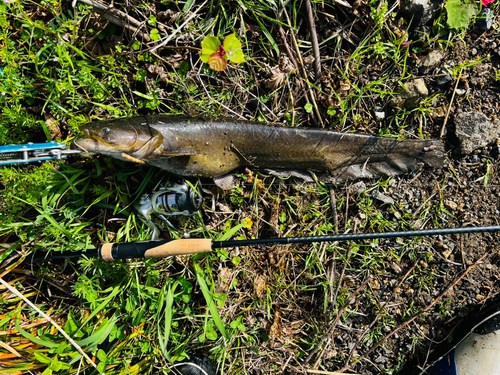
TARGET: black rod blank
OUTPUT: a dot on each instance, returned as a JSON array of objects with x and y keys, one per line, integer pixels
[
  {"x": 354, "y": 237},
  {"x": 122, "y": 250}
]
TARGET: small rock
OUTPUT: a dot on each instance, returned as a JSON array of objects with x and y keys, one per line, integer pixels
[
  {"x": 379, "y": 115},
  {"x": 447, "y": 253},
  {"x": 460, "y": 92},
  {"x": 480, "y": 297},
  {"x": 409, "y": 292},
  {"x": 450, "y": 204},
  {"x": 419, "y": 12},
  {"x": 451, "y": 245},
  {"x": 396, "y": 268},
  {"x": 412, "y": 95},
  {"x": 381, "y": 197},
  {"x": 358, "y": 187},
  {"x": 485, "y": 19},
  {"x": 475, "y": 130},
  {"x": 443, "y": 79},
  {"x": 418, "y": 224},
  {"x": 429, "y": 61}
]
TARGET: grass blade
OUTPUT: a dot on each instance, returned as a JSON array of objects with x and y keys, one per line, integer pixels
[{"x": 212, "y": 307}]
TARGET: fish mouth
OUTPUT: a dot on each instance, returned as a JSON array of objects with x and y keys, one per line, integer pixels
[{"x": 86, "y": 146}]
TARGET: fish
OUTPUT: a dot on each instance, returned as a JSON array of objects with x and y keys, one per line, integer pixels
[{"x": 216, "y": 147}]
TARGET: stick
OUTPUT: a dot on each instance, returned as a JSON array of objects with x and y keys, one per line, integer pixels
[
  {"x": 451, "y": 104},
  {"x": 314, "y": 40},
  {"x": 176, "y": 31},
  {"x": 29, "y": 303},
  {"x": 118, "y": 18},
  {"x": 296, "y": 46}
]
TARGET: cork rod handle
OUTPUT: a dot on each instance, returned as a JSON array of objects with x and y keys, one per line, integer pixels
[{"x": 180, "y": 247}]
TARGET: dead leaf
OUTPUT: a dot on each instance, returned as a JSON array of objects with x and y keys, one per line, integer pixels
[
  {"x": 276, "y": 331},
  {"x": 260, "y": 286},
  {"x": 225, "y": 278}
]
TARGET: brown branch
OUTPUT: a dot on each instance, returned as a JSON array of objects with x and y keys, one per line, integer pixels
[
  {"x": 294, "y": 62},
  {"x": 296, "y": 46},
  {"x": 451, "y": 104},
  {"x": 314, "y": 40},
  {"x": 118, "y": 18}
]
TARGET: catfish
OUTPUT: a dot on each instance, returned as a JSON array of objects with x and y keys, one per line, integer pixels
[{"x": 206, "y": 147}]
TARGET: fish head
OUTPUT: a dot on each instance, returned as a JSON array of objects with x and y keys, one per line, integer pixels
[{"x": 117, "y": 137}]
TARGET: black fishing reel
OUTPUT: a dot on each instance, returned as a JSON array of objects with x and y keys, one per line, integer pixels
[{"x": 171, "y": 200}]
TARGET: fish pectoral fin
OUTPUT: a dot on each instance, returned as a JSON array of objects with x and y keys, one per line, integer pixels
[{"x": 148, "y": 148}]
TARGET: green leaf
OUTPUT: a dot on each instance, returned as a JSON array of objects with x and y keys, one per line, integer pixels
[
  {"x": 211, "y": 335},
  {"x": 460, "y": 13},
  {"x": 217, "y": 62},
  {"x": 42, "y": 358},
  {"x": 210, "y": 302},
  {"x": 232, "y": 47},
  {"x": 163, "y": 339},
  {"x": 100, "y": 334},
  {"x": 33, "y": 338},
  {"x": 308, "y": 107},
  {"x": 208, "y": 47},
  {"x": 136, "y": 45},
  {"x": 155, "y": 35}
]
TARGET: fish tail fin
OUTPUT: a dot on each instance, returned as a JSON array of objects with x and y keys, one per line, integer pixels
[{"x": 383, "y": 157}]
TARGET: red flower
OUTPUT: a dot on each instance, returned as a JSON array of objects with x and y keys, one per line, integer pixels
[{"x": 486, "y": 2}]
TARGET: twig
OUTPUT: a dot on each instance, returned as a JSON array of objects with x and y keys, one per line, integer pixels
[
  {"x": 49, "y": 319},
  {"x": 294, "y": 62},
  {"x": 118, "y": 18},
  {"x": 333, "y": 202},
  {"x": 176, "y": 31},
  {"x": 380, "y": 312},
  {"x": 314, "y": 40},
  {"x": 446, "y": 291},
  {"x": 451, "y": 104},
  {"x": 296, "y": 46}
]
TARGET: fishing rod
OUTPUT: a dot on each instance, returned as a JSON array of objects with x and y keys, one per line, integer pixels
[{"x": 171, "y": 247}]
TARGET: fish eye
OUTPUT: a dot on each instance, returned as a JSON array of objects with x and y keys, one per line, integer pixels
[{"x": 105, "y": 131}]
